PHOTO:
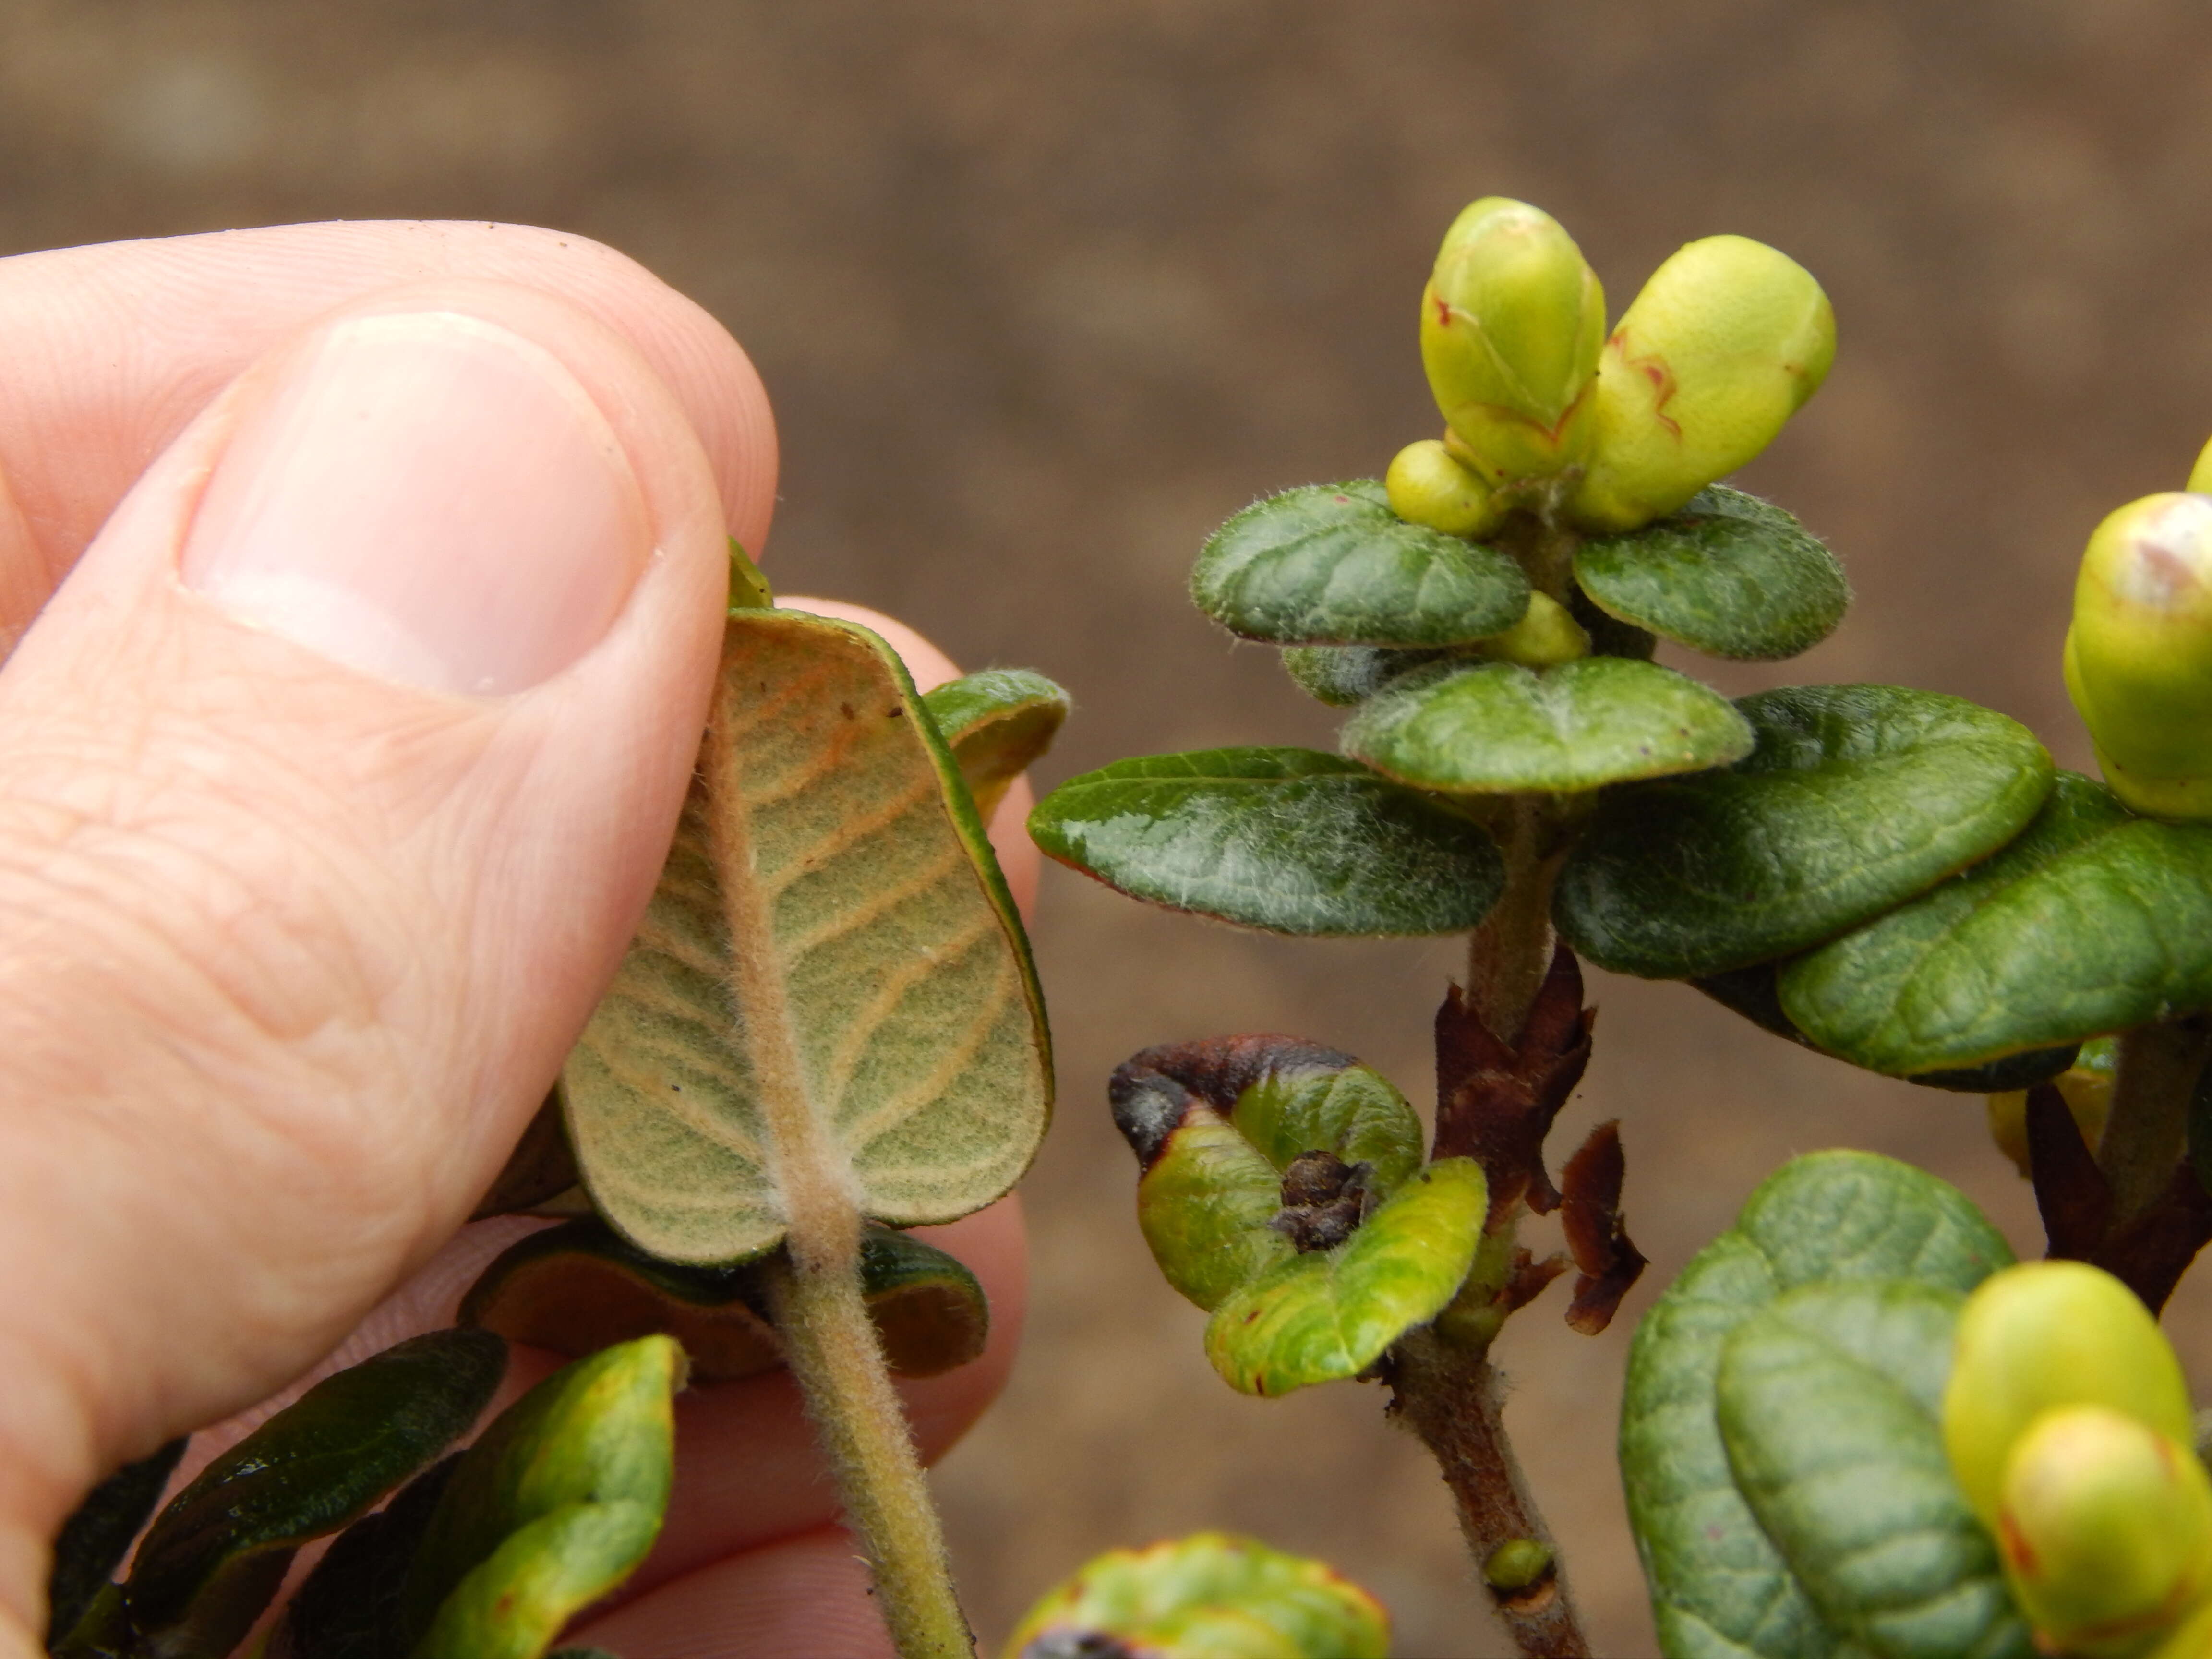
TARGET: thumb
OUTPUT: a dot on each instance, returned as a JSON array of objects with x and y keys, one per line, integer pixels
[{"x": 333, "y": 782}]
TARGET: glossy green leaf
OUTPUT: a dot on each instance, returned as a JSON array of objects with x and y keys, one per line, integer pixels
[
  {"x": 1857, "y": 798},
  {"x": 1289, "y": 839},
  {"x": 1719, "y": 1588},
  {"x": 1343, "y": 676},
  {"x": 348, "y": 1606},
  {"x": 1216, "y": 1125},
  {"x": 1331, "y": 564},
  {"x": 552, "y": 1508},
  {"x": 2093, "y": 921},
  {"x": 1210, "y": 1595},
  {"x": 1497, "y": 728},
  {"x": 215, "y": 1556},
  {"x": 1330, "y": 1314},
  {"x": 1829, "y": 1402},
  {"x": 1729, "y": 574},
  {"x": 94, "y": 1540},
  {"x": 997, "y": 723},
  {"x": 846, "y": 981}
]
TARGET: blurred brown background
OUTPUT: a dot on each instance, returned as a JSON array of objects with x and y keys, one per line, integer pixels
[{"x": 1044, "y": 291}]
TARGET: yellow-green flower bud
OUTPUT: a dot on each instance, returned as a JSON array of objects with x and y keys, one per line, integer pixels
[
  {"x": 2086, "y": 1089},
  {"x": 2200, "y": 475},
  {"x": 1512, "y": 321},
  {"x": 1723, "y": 345},
  {"x": 1545, "y": 636},
  {"x": 2192, "y": 1640},
  {"x": 2043, "y": 1334},
  {"x": 1428, "y": 484},
  {"x": 2139, "y": 654},
  {"x": 2106, "y": 1526}
]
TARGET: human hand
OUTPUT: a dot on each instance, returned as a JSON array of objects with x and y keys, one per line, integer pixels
[{"x": 381, "y": 570}]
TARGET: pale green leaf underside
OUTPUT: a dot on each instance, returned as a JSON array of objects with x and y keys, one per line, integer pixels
[
  {"x": 912, "y": 1017},
  {"x": 997, "y": 723}
]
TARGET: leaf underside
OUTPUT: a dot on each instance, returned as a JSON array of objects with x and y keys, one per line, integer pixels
[
  {"x": 1289, "y": 839},
  {"x": 1331, "y": 564},
  {"x": 1857, "y": 798},
  {"x": 898, "y": 1012},
  {"x": 996, "y": 723},
  {"x": 1719, "y": 1586}
]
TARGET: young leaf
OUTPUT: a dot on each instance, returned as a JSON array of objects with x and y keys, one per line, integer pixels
[
  {"x": 1326, "y": 1314},
  {"x": 1828, "y": 1402},
  {"x": 1331, "y": 564},
  {"x": 1857, "y": 798},
  {"x": 1497, "y": 728},
  {"x": 1208, "y": 1594},
  {"x": 1289, "y": 839},
  {"x": 997, "y": 723},
  {"x": 1718, "y": 1585},
  {"x": 552, "y": 1508},
  {"x": 2092, "y": 922},
  {"x": 1729, "y": 574},
  {"x": 831, "y": 966},
  {"x": 216, "y": 1556},
  {"x": 92, "y": 1540}
]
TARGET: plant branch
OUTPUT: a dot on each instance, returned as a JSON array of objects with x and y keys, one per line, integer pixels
[
  {"x": 2148, "y": 1129},
  {"x": 1452, "y": 1400},
  {"x": 1510, "y": 953}
]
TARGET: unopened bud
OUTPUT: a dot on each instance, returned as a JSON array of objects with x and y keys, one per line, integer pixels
[
  {"x": 2106, "y": 1526},
  {"x": 1512, "y": 321},
  {"x": 2200, "y": 475},
  {"x": 1428, "y": 484},
  {"x": 1545, "y": 636},
  {"x": 2044, "y": 1335},
  {"x": 1723, "y": 345},
  {"x": 2139, "y": 654}
]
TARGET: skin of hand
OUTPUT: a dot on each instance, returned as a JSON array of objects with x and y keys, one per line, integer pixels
[{"x": 365, "y": 583}]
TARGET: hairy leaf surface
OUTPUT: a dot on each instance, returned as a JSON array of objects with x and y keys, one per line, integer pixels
[
  {"x": 997, "y": 724},
  {"x": 1331, "y": 564},
  {"x": 831, "y": 963},
  {"x": 1289, "y": 839},
  {"x": 1729, "y": 574},
  {"x": 1857, "y": 798},
  {"x": 1499, "y": 728}
]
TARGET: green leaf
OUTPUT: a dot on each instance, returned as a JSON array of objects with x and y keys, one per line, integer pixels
[
  {"x": 928, "y": 1308},
  {"x": 1331, "y": 564},
  {"x": 2093, "y": 922},
  {"x": 92, "y": 1540},
  {"x": 1729, "y": 574},
  {"x": 748, "y": 589},
  {"x": 348, "y": 1606},
  {"x": 997, "y": 723},
  {"x": 539, "y": 1169},
  {"x": 215, "y": 1557},
  {"x": 1329, "y": 1314},
  {"x": 1216, "y": 1125},
  {"x": 1857, "y": 798},
  {"x": 1498, "y": 728},
  {"x": 1718, "y": 1586},
  {"x": 552, "y": 1508},
  {"x": 845, "y": 989},
  {"x": 1342, "y": 676},
  {"x": 1289, "y": 839},
  {"x": 1829, "y": 1403},
  {"x": 1210, "y": 1595}
]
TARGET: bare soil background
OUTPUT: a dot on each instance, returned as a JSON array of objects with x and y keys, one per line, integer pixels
[{"x": 1043, "y": 292}]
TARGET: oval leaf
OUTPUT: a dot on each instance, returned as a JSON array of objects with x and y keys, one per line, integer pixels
[
  {"x": 830, "y": 967},
  {"x": 348, "y": 1606},
  {"x": 216, "y": 1555},
  {"x": 928, "y": 1310},
  {"x": 1331, "y": 564},
  {"x": 1718, "y": 1586},
  {"x": 1857, "y": 798},
  {"x": 1829, "y": 1403},
  {"x": 1343, "y": 676},
  {"x": 997, "y": 723},
  {"x": 554, "y": 1506},
  {"x": 1289, "y": 839},
  {"x": 1730, "y": 574},
  {"x": 1330, "y": 1314},
  {"x": 1970, "y": 971},
  {"x": 1498, "y": 728},
  {"x": 1210, "y": 1592}
]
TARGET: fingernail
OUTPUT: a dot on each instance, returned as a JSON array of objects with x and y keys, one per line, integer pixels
[{"x": 430, "y": 498}]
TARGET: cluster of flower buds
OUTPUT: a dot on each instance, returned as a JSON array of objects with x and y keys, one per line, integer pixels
[
  {"x": 1725, "y": 343},
  {"x": 2069, "y": 1428},
  {"x": 2139, "y": 652}
]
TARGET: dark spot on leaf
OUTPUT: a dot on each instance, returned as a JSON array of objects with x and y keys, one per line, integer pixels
[{"x": 846, "y": 709}]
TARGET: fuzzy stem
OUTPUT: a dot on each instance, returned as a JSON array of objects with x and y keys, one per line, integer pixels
[
  {"x": 2147, "y": 1132},
  {"x": 1452, "y": 1400},
  {"x": 1509, "y": 954},
  {"x": 835, "y": 1353}
]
